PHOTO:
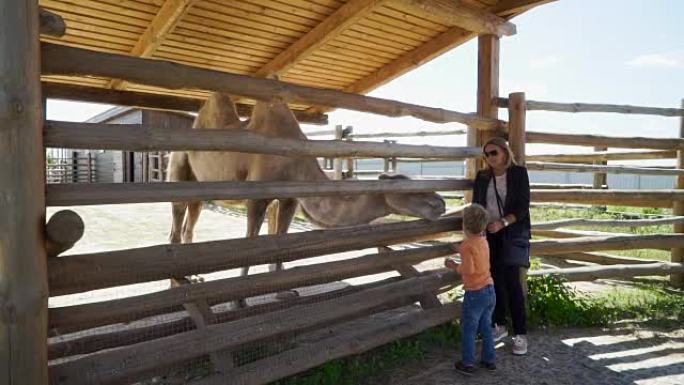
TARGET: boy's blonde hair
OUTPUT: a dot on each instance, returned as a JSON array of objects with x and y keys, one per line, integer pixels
[{"x": 475, "y": 219}]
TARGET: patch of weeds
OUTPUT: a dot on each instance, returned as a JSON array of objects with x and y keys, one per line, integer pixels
[
  {"x": 551, "y": 302},
  {"x": 366, "y": 367}
]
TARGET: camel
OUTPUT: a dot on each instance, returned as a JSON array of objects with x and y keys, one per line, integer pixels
[{"x": 274, "y": 118}]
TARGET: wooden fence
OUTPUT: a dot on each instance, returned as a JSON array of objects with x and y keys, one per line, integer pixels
[
  {"x": 84, "y": 356},
  {"x": 79, "y": 168}
]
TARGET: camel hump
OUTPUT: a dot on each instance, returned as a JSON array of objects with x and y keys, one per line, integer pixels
[{"x": 218, "y": 111}]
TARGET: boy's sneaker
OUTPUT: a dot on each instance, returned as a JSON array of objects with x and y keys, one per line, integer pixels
[
  {"x": 520, "y": 345},
  {"x": 488, "y": 365},
  {"x": 499, "y": 332},
  {"x": 468, "y": 370}
]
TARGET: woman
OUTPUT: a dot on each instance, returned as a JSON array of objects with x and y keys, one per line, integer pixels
[{"x": 503, "y": 188}]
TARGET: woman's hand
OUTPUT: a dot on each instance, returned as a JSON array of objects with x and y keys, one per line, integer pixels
[{"x": 495, "y": 226}]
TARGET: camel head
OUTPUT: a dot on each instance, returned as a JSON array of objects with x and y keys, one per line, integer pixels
[{"x": 428, "y": 205}]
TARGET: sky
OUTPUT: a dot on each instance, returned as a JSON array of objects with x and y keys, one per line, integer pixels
[{"x": 589, "y": 51}]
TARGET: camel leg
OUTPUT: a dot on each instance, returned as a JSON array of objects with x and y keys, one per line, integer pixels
[
  {"x": 256, "y": 212},
  {"x": 177, "y": 212},
  {"x": 285, "y": 213},
  {"x": 286, "y": 209},
  {"x": 194, "y": 209},
  {"x": 178, "y": 171}
]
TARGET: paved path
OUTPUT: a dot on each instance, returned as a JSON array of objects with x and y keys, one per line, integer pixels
[{"x": 566, "y": 356}]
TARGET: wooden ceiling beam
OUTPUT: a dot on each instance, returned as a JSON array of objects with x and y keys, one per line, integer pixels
[
  {"x": 345, "y": 16},
  {"x": 453, "y": 14},
  {"x": 169, "y": 15},
  {"x": 433, "y": 48}
]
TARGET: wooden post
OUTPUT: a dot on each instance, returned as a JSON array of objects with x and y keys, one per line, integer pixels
[
  {"x": 600, "y": 179},
  {"x": 23, "y": 270},
  {"x": 487, "y": 92},
  {"x": 337, "y": 162},
  {"x": 350, "y": 161},
  {"x": 516, "y": 125},
  {"x": 677, "y": 255}
]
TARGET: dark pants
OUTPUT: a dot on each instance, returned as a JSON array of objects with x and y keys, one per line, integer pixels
[{"x": 508, "y": 287}]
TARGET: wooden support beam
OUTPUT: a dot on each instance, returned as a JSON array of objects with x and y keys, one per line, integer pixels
[
  {"x": 113, "y": 193},
  {"x": 606, "y": 141},
  {"x": 152, "y": 101},
  {"x": 602, "y": 156},
  {"x": 164, "y": 22},
  {"x": 23, "y": 270},
  {"x": 433, "y": 48},
  {"x": 636, "y": 198},
  {"x": 51, "y": 24},
  {"x": 587, "y": 107},
  {"x": 516, "y": 126},
  {"x": 133, "y": 362},
  {"x": 459, "y": 15},
  {"x": 407, "y": 134},
  {"x": 111, "y": 268},
  {"x": 513, "y": 7},
  {"x": 69, "y": 61},
  {"x": 427, "y": 300},
  {"x": 602, "y": 170},
  {"x": 677, "y": 254},
  {"x": 141, "y": 137},
  {"x": 77, "y": 317},
  {"x": 345, "y": 16}
]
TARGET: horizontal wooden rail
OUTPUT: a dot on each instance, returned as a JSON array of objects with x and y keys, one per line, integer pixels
[
  {"x": 130, "y": 363},
  {"x": 406, "y": 134},
  {"x": 606, "y": 141},
  {"x": 618, "y": 242},
  {"x": 637, "y": 198},
  {"x": 152, "y": 101},
  {"x": 602, "y": 156},
  {"x": 69, "y": 61},
  {"x": 111, "y": 193},
  {"x": 72, "y": 345},
  {"x": 591, "y": 107},
  {"x": 601, "y": 258},
  {"x": 77, "y": 273},
  {"x": 77, "y": 317},
  {"x": 608, "y": 222},
  {"x": 320, "y": 133},
  {"x": 571, "y": 167},
  {"x": 137, "y": 137},
  {"x": 591, "y": 273},
  {"x": 368, "y": 334}
]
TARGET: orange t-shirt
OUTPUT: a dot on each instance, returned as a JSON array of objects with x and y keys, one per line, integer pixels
[{"x": 474, "y": 267}]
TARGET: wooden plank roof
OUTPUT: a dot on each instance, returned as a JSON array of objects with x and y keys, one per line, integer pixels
[{"x": 353, "y": 45}]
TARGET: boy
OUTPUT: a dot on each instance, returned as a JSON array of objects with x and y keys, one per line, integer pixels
[{"x": 479, "y": 299}]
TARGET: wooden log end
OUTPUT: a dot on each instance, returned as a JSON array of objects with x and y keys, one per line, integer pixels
[
  {"x": 62, "y": 231},
  {"x": 51, "y": 24}
]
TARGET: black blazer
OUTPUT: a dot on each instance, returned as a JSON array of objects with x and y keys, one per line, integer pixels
[{"x": 517, "y": 198}]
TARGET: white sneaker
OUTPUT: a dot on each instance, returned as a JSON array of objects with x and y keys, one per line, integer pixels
[
  {"x": 520, "y": 345},
  {"x": 499, "y": 332}
]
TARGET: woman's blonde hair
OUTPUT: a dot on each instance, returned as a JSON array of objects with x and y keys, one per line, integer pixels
[{"x": 502, "y": 144}]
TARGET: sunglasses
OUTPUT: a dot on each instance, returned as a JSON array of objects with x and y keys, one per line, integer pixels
[{"x": 491, "y": 153}]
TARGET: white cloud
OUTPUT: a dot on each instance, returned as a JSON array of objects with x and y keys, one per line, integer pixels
[
  {"x": 546, "y": 62},
  {"x": 672, "y": 59}
]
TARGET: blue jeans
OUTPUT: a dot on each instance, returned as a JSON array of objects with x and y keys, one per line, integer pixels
[{"x": 476, "y": 316}]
